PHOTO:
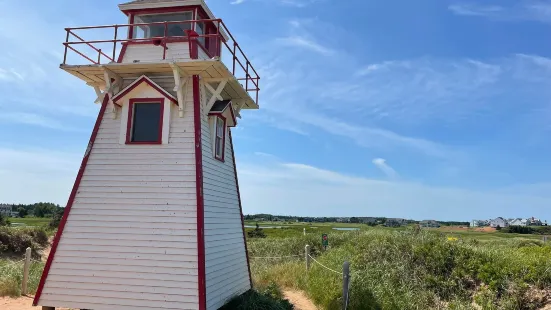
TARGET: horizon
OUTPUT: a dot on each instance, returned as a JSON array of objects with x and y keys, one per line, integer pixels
[{"x": 438, "y": 109}]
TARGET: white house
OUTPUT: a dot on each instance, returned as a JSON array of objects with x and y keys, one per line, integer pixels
[
  {"x": 154, "y": 218},
  {"x": 6, "y": 209},
  {"x": 501, "y": 222},
  {"x": 518, "y": 222}
]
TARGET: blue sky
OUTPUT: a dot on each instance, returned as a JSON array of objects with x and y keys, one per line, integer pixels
[{"x": 418, "y": 109}]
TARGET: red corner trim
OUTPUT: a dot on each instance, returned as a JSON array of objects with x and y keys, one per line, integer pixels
[
  {"x": 123, "y": 51},
  {"x": 139, "y": 81},
  {"x": 199, "y": 191},
  {"x": 240, "y": 209},
  {"x": 130, "y": 119},
  {"x": 70, "y": 202}
]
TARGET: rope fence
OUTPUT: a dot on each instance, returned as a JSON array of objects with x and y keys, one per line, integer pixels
[
  {"x": 332, "y": 270},
  {"x": 275, "y": 257}
]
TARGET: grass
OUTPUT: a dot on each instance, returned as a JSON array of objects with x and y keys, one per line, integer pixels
[
  {"x": 30, "y": 221},
  {"x": 408, "y": 269},
  {"x": 11, "y": 276}
]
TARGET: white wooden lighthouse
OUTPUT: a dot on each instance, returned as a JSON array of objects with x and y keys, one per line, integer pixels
[{"x": 154, "y": 218}]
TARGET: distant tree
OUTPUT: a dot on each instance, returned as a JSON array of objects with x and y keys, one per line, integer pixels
[
  {"x": 22, "y": 212},
  {"x": 56, "y": 218},
  {"x": 256, "y": 233},
  {"x": 4, "y": 220},
  {"x": 498, "y": 227}
]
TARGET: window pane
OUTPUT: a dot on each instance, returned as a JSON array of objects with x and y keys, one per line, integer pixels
[
  {"x": 150, "y": 31},
  {"x": 219, "y": 127},
  {"x": 218, "y": 147},
  {"x": 146, "y": 121}
]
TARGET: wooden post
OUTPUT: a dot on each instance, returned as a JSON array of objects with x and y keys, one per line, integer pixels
[
  {"x": 307, "y": 257},
  {"x": 26, "y": 271},
  {"x": 48, "y": 308},
  {"x": 345, "y": 284},
  {"x": 304, "y": 231}
]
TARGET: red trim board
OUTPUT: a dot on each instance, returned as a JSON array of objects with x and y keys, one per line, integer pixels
[
  {"x": 70, "y": 201},
  {"x": 240, "y": 208},
  {"x": 130, "y": 119},
  {"x": 202, "y": 282}
]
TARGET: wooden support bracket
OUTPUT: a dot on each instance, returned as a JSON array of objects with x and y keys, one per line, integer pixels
[
  {"x": 215, "y": 93},
  {"x": 180, "y": 80},
  {"x": 113, "y": 84},
  {"x": 99, "y": 93}
]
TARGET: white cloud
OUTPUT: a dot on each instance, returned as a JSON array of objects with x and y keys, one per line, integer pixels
[
  {"x": 305, "y": 190},
  {"x": 305, "y": 43},
  {"x": 33, "y": 119},
  {"x": 237, "y": 2},
  {"x": 521, "y": 10},
  {"x": 385, "y": 168}
]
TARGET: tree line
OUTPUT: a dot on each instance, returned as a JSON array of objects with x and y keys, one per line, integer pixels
[{"x": 39, "y": 209}]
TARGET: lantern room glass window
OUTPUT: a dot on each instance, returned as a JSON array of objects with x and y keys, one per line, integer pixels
[{"x": 158, "y": 30}]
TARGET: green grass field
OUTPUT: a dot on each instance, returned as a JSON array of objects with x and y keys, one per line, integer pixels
[{"x": 30, "y": 221}]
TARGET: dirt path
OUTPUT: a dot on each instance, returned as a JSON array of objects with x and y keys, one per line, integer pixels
[
  {"x": 21, "y": 303},
  {"x": 299, "y": 300}
]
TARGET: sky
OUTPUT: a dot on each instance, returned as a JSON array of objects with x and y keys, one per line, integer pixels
[{"x": 428, "y": 109}]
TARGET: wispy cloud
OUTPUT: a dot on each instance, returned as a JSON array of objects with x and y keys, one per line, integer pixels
[
  {"x": 237, "y": 2},
  {"x": 385, "y": 168},
  {"x": 292, "y": 3},
  {"x": 301, "y": 189},
  {"x": 309, "y": 44},
  {"x": 34, "y": 120},
  {"x": 10, "y": 75},
  {"x": 539, "y": 11}
]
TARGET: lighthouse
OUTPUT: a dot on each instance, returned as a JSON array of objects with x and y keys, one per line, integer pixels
[{"x": 154, "y": 218}]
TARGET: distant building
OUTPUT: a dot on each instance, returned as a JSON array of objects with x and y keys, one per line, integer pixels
[
  {"x": 394, "y": 222},
  {"x": 518, "y": 222},
  {"x": 6, "y": 209},
  {"x": 343, "y": 220},
  {"x": 501, "y": 222},
  {"x": 429, "y": 224},
  {"x": 480, "y": 223},
  {"x": 534, "y": 222},
  {"x": 369, "y": 220}
]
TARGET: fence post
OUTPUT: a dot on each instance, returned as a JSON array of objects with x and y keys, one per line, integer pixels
[
  {"x": 304, "y": 231},
  {"x": 345, "y": 284},
  {"x": 26, "y": 271},
  {"x": 307, "y": 257}
]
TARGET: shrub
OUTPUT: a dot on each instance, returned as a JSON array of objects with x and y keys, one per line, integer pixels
[
  {"x": 271, "y": 299},
  {"x": 15, "y": 241},
  {"x": 4, "y": 220},
  {"x": 256, "y": 233}
]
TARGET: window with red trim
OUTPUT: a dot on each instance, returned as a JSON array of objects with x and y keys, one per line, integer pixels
[
  {"x": 145, "y": 121},
  {"x": 219, "y": 137}
]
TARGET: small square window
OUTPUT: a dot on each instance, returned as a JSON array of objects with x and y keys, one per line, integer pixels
[
  {"x": 219, "y": 137},
  {"x": 145, "y": 121}
]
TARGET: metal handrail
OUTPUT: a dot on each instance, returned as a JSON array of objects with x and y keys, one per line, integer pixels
[{"x": 222, "y": 32}]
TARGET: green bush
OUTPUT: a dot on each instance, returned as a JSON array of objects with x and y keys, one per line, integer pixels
[
  {"x": 15, "y": 241},
  {"x": 270, "y": 299}
]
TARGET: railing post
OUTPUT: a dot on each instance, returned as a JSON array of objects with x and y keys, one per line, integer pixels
[
  {"x": 307, "y": 257},
  {"x": 99, "y": 56},
  {"x": 247, "y": 76},
  {"x": 26, "y": 267},
  {"x": 115, "y": 42},
  {"x": 66, "y": 46},
  {"x": 345, "y": 284},
  {"x": 234, "y": 57},
  {"x": 164, "y": 40}
]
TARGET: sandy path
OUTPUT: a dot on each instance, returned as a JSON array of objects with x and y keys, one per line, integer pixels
[
  {"x": 299, "y": 300},
  {"x": 21, "y": 303}
]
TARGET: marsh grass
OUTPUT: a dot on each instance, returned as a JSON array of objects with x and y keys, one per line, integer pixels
[{"x": 411, "y": 270}]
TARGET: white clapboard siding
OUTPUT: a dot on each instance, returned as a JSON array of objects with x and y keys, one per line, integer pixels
[
  {"x": 226, "y": 262},
  {"x": 130, "y": 241},
  {"x": 151, "y": 53}
]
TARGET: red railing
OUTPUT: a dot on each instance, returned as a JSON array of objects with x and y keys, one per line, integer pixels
[{"x": 210, "y": 43}]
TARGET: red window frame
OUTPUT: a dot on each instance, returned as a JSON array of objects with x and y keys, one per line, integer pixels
[
  {"x": 222, "y": 119},
  {"x": 130, "y": 120}
]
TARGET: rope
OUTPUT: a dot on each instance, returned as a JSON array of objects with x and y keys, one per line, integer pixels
[
  {"x": 274, "y": 257},
  {"x": 324, "y": 265},
  {"x": 14, "y": 263}
]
